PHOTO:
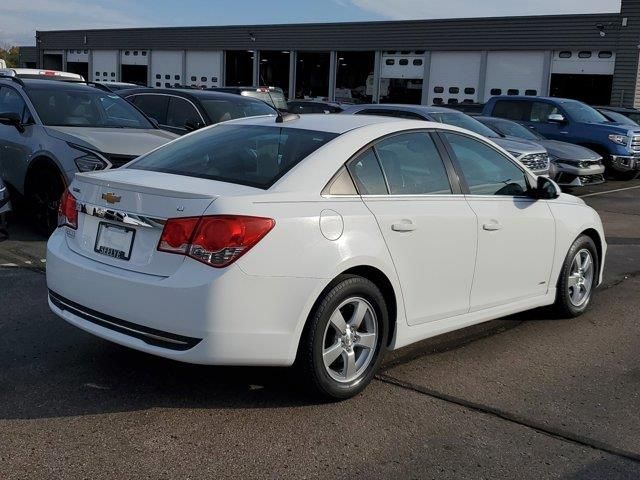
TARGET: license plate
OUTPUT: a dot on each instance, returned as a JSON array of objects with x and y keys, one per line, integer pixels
[{"x": 114, "y": 241}]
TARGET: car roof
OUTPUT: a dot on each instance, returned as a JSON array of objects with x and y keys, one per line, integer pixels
[
  {"x": 55, "y": 84},
  {"x": 533, "y": 99},
  {"x": 186, "y": 92},
  {"x": 325, "y": 123},
  {"x": 41, "y": 72}
]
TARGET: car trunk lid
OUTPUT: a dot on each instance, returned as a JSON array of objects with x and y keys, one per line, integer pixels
[{"x": 123, "y": 212}]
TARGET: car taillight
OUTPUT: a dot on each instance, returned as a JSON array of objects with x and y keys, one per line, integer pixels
[
  {"x": 68, "y": 211},
  {"x": 217, "y": 240}
]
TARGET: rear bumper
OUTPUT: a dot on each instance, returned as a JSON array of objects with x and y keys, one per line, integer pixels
[{"x": 198, "y": 315}]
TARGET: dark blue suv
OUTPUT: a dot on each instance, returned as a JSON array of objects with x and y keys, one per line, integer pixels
[{"x": 575, "y": 122}]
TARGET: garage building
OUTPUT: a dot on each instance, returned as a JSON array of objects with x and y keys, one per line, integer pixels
[{"x": 592, "y": 57}]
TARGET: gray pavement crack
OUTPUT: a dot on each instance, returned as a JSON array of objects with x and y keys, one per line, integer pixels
[{"x": 558, "y": 433}]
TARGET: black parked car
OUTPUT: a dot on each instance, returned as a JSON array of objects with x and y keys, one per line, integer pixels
[
  {"x": 315, "y": 106},
  {"x": 623, "y": 115},
  {"x": 182, "y": 111}
]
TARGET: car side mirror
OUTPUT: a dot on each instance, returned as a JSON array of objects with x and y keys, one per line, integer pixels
[
  {"x": 546, "y": 189},
  {"x": 12, "y": 118},
  {"x": 556, "y": 118}
]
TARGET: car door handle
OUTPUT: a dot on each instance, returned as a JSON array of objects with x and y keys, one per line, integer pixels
[
  {"x": 492, "y": 226},
  {"x": 404, "y": 226}
]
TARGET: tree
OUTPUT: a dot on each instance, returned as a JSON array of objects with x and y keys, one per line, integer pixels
[{"x": 10, "y": 55}]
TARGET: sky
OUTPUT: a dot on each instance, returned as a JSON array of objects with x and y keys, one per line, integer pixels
[{"x": 19, "y": 19}]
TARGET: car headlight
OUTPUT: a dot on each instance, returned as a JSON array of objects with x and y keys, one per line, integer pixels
[
  {"x": 553, "y": 158},
  {"x": 619, "y": 139},
  {"x": 90, "y": 161}
]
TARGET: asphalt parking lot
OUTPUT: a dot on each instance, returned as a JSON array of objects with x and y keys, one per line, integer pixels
[{"x": 528, "y": 397}]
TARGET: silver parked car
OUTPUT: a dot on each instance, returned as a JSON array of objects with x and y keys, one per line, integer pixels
[
  {"x": 49, "y": 130},
  {"x": 528, "y": 153},
  {"x": 571, "y": 165}
]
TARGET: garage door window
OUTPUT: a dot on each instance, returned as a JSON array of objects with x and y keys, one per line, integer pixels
[{"x": 486, "y": 171}]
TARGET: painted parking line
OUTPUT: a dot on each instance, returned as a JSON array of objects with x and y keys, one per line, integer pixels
[{"x": 609, "y": 191}]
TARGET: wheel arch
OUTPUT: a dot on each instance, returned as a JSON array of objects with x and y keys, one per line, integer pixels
[
  {"x": 375, "y": 275},
  {"x": 42, "y": 162},
  {"x": 381, "y": 281},
  {"x": 597, "y": 240}
]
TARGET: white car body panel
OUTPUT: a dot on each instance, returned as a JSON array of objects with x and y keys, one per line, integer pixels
[{"x": 254, "y": 311}]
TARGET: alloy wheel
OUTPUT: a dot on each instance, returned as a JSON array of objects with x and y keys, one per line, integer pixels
[
  {"x": 581, "y": 278},
  {"x": 350, "y": 340}
]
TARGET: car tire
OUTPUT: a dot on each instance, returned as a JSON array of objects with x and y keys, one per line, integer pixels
[
  {"x": 43, "y": 193},
  {"x": 345, "y": 339},
  {"x": 619, "y": 175},
  {"x": 577, "y": 281}
]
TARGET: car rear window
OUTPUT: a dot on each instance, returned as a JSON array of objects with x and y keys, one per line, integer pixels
[{"x": 252, "y": 155}]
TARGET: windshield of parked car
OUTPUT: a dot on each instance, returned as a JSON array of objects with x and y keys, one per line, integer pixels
[
  {"x": 252, "y": 155},
  {"x": 220, "y": 110},
  {"x": 513, "y": 129},
  {"x": 619, "y": 118},
  {"x": 583, "y": 113},
  {"x": 84, "y": 107},
  {"x": 462, "y": 120}
]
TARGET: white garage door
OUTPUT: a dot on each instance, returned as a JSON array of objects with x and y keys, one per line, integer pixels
[
  {"x": 585, "y": 62},
  {"x": 166, "y": 68},
  {"x": 454, "y": 77},
  {"x": 515, "y": 73},
  {"x": 134, "y": 57},
  {"x": 78, "y": 55},
  {"x": 105, "y": 66},
  {"x": 409, "y": 65},
  {"x": 204, "y": 69}
]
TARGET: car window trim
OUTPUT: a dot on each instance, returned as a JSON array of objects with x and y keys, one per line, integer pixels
[
  {"x": 453, "y": 177},
  {"x": 463, "y": 181},
  {"x": 171, "y": 96}
]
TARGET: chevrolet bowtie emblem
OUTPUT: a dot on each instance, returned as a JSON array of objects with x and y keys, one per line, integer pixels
[{"x": 111, "y": 197}]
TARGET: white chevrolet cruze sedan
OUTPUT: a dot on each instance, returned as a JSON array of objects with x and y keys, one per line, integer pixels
[{"x": 321, "y": 241}]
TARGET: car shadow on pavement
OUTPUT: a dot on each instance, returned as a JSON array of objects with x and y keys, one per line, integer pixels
[
  {"x": 68, "y": 372},
  {"x": 96, "y": 377}
]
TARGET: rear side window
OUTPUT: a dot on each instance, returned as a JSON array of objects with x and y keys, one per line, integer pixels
[
  {"x": 367, "y": 174},
  {"x": 154, "y": 106},
  {"x": 182, "y": 113},
  {"x": 540, "y": 111},
  {"x": 518, "y": 111},
  {"x": 412, "y": 164},
  {"x": 252, "y": 155}
]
